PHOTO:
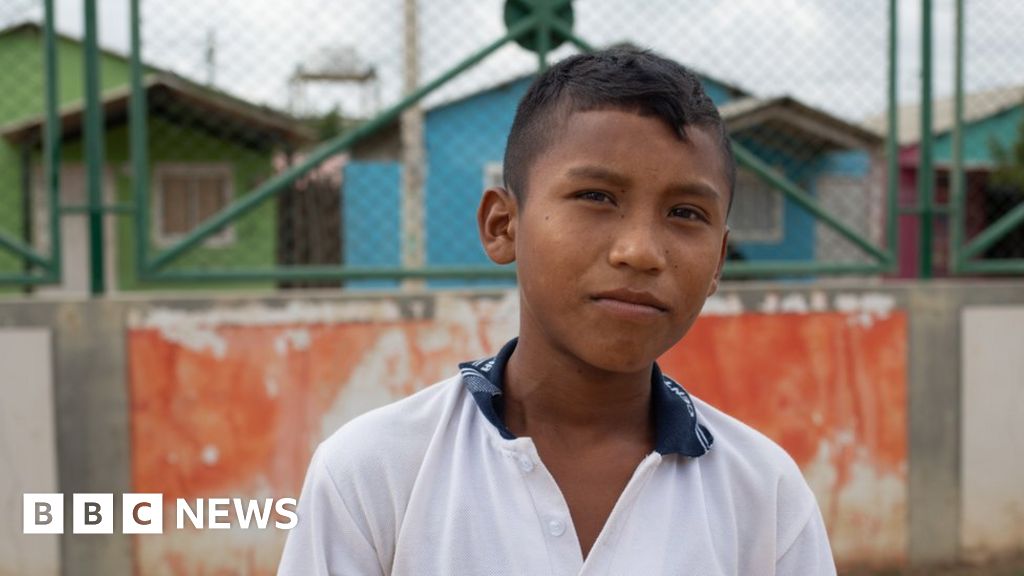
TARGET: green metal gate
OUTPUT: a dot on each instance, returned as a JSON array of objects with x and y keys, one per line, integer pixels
[
  {"x": 784, "y": 147},
  {"x": 23, "y": 262},
  {"x": 995, "y": 246}
]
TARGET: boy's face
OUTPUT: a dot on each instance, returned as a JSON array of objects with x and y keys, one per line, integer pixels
[{"x": 619, "y": 210}]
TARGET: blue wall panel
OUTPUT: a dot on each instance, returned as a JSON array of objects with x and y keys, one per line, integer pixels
[{"x": 371, "y": 225}]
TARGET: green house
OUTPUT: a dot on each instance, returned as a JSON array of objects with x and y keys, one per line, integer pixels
[{"x": 205, "y": 148}]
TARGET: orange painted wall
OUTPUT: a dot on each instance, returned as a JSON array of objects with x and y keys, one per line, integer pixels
[
  {"x": 831, "y": 389},
  {"x": 229, "y": 410}
]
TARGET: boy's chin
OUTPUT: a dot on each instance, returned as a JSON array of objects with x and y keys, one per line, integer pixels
[{"x": 621, "y": 357}]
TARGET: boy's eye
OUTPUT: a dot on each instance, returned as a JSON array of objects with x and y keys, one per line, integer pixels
[
  {"x": 595, "y": 195},
  {"x": 688, "y": 213}
]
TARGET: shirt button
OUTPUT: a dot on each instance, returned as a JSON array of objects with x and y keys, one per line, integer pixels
[
  {"x": 556, "y": 527},
  {"x": 525, "y": 463}
]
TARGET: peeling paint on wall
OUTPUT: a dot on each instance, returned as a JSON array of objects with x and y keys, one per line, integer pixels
[
  {"x": 833, "y": 393},
  {"x": 241, "y": 418}
]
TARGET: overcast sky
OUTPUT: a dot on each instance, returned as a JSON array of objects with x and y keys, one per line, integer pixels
[{"x": 828, "y": 53}]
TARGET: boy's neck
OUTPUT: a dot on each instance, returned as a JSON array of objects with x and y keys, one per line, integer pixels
[{"x": 549, "y": 392}]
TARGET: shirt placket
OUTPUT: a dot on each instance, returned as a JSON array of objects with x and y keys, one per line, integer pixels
[
  {"x": 553, "y": 518},
  {"x": 605, "y": 548}
]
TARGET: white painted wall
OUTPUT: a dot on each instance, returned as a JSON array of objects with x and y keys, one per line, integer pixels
[
  {"x": 992, "y": 449},
  {"x": 28, "y": 448}
]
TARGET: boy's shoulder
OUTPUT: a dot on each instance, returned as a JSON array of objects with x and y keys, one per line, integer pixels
[
  {"x": 757, "y": 471},
  {"x": 738, "y": 440},
  {"x": 401, "y": 429},
  {"x": 749, "y": 455},
  {"x": 767, "y": 489}
]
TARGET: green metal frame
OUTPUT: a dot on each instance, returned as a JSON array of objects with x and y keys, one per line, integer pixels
[
  {"x": 885, "y": 260},
  {"x": 39, "y": 268},
  {"x": 94, "y": 148},
  {"x": 957, "y": 181},
  {"x": 767, "y": 268},
  {"x": 138, "y": 129},
  {"x": 965, "y": 256},
  {"x": 892, "y": 143},
  {"x": 925, "y": 172},
  {"x": 543, "y": 22}
]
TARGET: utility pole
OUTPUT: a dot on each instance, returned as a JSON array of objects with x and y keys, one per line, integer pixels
[
  {"x": 413, "y": 157},
  {"x": 210, "y": 57}
]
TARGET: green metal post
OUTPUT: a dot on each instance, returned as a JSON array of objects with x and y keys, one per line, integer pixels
[
  {"x": 27, "y": 230},
  {"x": 313, "y": 273},
  {"x": 994, "y": 266},
  {"x": 543, "y": 47},
  {"x": 925, "y": 172},
  {"x": 892, "y": 144},
  {"x": 957, "y": 213},
  {"x": 748, "y": 269},
  {"x": 542, "y": 33},
  {"x": 139, "y": 148},
  {"x": 568, "y": 33},
  {"x": 94, "y": 148},
  {"x": 51, "y": 141},
  {"x": 22, "y": 279}
]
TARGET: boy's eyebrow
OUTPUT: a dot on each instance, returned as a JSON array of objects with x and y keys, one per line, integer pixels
[
  {"x": 599, "y": 173},
  {"x": 698, "y": 189},
  {"x": 621, "y": 180}
]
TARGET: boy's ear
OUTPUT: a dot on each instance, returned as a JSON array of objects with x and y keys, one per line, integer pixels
[
  {"x": 721, "y": 262},
  {"x": 496, "y": 220}
]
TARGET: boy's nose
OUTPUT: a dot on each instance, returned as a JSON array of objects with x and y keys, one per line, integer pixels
[{"x": 637, "y": 245}]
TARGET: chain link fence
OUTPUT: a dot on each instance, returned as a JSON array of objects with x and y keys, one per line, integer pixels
[
  {"x": 992, "y": 137},
  {"x": 24, "y": 224},
  {"x": 239, "y": 93}
]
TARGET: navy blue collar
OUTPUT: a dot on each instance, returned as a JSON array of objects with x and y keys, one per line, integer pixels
[{"x": 677, "y": 430}]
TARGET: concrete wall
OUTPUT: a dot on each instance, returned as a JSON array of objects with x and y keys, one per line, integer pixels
[
  {"x": 992, "y": 437},
  {"x": 227, "y": 396},
  {"x": 28, "y": 449}
]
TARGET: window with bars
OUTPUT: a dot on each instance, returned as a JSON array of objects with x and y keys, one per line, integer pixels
[
  {"x": 188, "y": 194},
  {"x": 757, "y": 210}
]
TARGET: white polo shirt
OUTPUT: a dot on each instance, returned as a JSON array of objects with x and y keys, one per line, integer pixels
[{"x": 435, "y": 484}]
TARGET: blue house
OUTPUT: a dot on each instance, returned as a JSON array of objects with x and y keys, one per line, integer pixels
[
  {"x": 838, "y": 163},
  {"x": 465, "y": 142}
]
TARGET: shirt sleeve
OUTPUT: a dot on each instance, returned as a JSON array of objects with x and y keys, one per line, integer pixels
[
  {"x": 810, "y": 553},
  {"x": 327, "y": 540}
]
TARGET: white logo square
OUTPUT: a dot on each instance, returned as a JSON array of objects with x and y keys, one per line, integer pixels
[
  {"x": 43, "y": 513},
  {"x": 142, "y": 513},
  {"x": 93, "y": 514}
]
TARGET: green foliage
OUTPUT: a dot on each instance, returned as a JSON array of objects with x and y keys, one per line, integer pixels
[
  {"x": 329, "y": 125},
  {"x": 1009, "y": 170}
]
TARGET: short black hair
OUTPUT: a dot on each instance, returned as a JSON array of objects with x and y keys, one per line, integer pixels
[{"x": 621, "y": 78}]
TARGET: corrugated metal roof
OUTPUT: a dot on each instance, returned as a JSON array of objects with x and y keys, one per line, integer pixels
[
  {"x": 977, "y": 106},
  {"x": 744, "y": 113},
  {"x": 258, "y": 119}
]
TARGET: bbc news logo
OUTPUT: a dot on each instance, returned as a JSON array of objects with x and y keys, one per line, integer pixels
[{"x": 144, "y": 513}]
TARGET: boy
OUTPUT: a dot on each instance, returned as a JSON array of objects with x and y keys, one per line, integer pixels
[{"x": 570, "y": 452}]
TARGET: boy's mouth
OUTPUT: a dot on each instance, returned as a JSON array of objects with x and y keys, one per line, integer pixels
[{"x": 634, "y": 297}]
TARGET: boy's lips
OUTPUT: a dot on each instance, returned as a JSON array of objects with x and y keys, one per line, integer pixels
[{"x": 633, "y": 297}]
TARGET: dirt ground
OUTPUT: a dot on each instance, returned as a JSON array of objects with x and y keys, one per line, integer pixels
[{"x": 1008, "y": 567}]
